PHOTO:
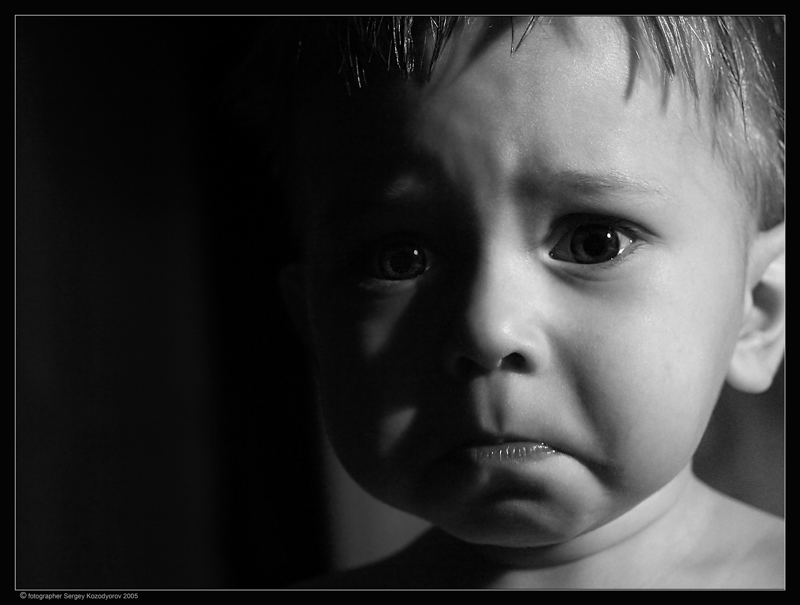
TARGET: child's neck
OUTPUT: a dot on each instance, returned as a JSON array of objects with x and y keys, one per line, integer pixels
[
  {"x": 686, "y": 536},
  {"x": 639, "y": 548}
]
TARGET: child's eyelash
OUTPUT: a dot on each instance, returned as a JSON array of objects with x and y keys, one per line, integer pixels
[
  {"x": 593, "y": 240},
  {"x": 393, "y": 259},
  {"x": 581, "y": 241}
]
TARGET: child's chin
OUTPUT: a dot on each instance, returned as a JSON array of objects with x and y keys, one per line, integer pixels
[{"x": 515, "y": 525}]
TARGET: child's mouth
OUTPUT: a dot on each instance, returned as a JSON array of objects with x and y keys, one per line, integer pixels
[
  {"x": 500, "y": 452},
  {"x": 517, "y": 451}
]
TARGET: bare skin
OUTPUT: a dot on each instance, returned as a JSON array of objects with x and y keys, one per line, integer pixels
[{"x": 707, "y": 541}]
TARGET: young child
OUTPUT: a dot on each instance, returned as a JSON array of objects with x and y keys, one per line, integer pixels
[{"x": 534, "y": 250}]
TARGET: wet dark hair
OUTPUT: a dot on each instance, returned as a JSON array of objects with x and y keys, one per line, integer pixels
[{"x": 720, "y": 61}]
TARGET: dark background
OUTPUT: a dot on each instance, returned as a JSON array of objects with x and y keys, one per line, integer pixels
[
  {"x": 164, "y": 435},
  {"x": 164, "y": 431}
]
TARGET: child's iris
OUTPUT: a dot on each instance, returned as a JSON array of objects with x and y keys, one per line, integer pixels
[
  {"x": 591, "y": 243},
  {"x": 400, "y": 261}
]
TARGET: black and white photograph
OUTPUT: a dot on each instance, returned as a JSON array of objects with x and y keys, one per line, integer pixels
[{"x": 348, "y": 302}]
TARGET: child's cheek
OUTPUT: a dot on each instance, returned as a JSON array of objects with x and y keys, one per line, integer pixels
[
  {"x": 377, "y": 326},
  {"x": 653, "y": 383}
]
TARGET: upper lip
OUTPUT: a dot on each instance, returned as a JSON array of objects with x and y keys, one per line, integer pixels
[
  {"x": 491, "y": 440},
  {"x": 493, "y": 418}
]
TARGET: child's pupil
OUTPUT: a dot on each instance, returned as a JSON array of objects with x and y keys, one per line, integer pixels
[
  {"x": 594, "y": 243},
  {"x": 403, "y": 262}
]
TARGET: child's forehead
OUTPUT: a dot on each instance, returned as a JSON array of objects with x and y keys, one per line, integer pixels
[
  {"x": 430, "y": 58},
  {"x": 566, "y": 83},
  {"x": 562, "y": 63},
  {"x": 589, "y": 55}
]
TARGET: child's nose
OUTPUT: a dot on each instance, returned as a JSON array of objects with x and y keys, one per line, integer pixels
[{"x": 498, "y": 326}]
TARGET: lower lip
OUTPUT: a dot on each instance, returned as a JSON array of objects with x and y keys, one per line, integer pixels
[{"x": 510, "y": 453}]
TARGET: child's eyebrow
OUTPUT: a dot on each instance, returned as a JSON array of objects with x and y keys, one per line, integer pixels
[
  {"x": 589, "y": 186},
  {"x": 355, "y": 204},
  {"x": 408, "y": 194}
]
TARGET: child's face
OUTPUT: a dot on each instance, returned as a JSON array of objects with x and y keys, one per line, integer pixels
[{"x": 518, "y": 252}]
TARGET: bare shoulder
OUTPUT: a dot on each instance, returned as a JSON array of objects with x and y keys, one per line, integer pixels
[
  {"x": 745, "y": 546},
  {"x": 761, "y": 563}
]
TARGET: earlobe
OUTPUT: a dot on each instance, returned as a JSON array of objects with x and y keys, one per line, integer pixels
[
  {"x": 761, "y": 343},
  {"x": 293, "y": 290}
]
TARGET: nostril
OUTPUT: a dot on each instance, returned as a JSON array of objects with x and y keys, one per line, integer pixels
[
  {"x": 514, "y": 362},
  {"x": 465, "y": 367}
]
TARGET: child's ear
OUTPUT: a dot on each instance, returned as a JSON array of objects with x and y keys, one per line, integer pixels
[
  {"x": 761, "y": 344},
  {"x": 293, "y": 290}
]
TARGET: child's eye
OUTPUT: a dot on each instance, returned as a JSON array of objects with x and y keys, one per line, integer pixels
[
  {"x": 398, "y": 260},
  {"x": 592, "y": 242}
]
